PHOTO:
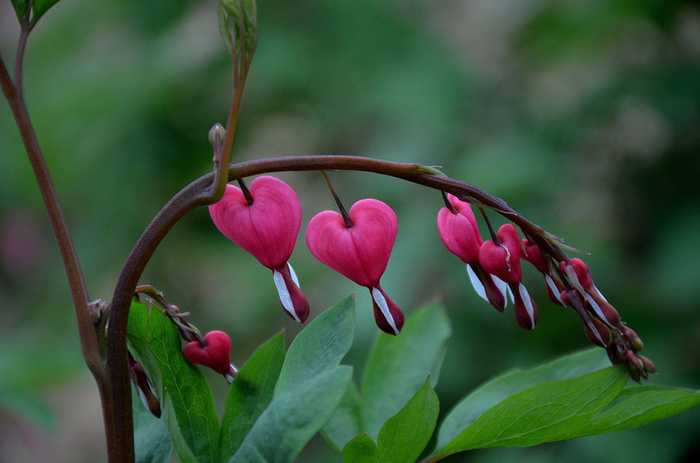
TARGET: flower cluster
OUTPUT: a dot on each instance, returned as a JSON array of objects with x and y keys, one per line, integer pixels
[
  {"x": 265, "y": 222},
  {"x": 266, "y": 219},
  {"x": 495, "y": 271}
]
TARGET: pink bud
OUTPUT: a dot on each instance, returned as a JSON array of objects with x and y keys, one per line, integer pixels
[
  {"x": 144, "y": 387},
  {"x": 503, "y": 260},
  {"x": 268, "y": 230},
  {"x": 215, "y": 353},
  {"x": 361, "y": 252},
  {"x": 460, "y": 234}
]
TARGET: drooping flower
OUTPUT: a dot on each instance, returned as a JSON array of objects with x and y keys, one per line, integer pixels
[
  {"x": 267, "y": 229},
  {"x": 144, "y": 387},
  {"x": 554, "y": 286},
  {"x": 214, "y": 353},
  {"x": 580, "y": 277},
  {"x": 460, "y": 234},
  {"x": 503, "y": 261},
  {"x": 360, "y": 252}
]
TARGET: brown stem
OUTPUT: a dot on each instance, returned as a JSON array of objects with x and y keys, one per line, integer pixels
[
  {"x": 338, "y": 202},
  {"x": 71, "y": 263},
  {"x": 201, "y": 192}
]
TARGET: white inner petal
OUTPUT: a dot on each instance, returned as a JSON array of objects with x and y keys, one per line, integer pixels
[
  {"x": 294, "y": 275},
  {"x": 142, "y": 396},
  {"x": 384, "y": 307},
  {"x": 503, "y": 288},
  {"x": 596, "y": 307},
  {"x": 600, "y": 294},
  {"x": 478, "y": 287},
  {"x": 285, "y": 298},
  {"x": 592, "y": 327},
  {"x": 553, "y": 288},
  {"x": 528, "y": 303}
]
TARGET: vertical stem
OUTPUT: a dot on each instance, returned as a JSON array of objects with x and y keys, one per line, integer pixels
[{"x": 76, "y": 280}]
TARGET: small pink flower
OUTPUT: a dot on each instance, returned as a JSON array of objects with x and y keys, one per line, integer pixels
[
  {"x": 360, "y": 252},
  {"x": 580, "y": 277},
  {"x": 503, "y": 261},
  {"x": 215, "y": 353},
  {"x": 267, "y": 229},
  {"x": 554, "y": 287},
  {"x": 460, "y": 234}
]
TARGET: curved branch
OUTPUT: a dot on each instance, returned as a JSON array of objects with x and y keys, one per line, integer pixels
[{"x": 203, "y": 192}]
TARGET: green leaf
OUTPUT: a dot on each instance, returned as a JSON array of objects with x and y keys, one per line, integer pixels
[
  {"x": 403, "y": 437},
  {"x": 398, "y": 366},
  {"x": 543, "y": 413},
  {"x": 40, "y": 7},
  {"x": 20, "y": 7},
  {"x": 319, "y": 347},
  {"x": 361, "y": 449},
  {"x": 310, "y": 387},
  {"x": 184, "y": 394},
  {"x": 345, "y": 423},
  {"x": 502, "y": 387},
  {"x": 232, "y": 14},
  {"x": 151, "y": 439},
  {"x": 640, "y": 405},
  {"x": 250, "y": 394},
  {"x": 293, "y": 418}
]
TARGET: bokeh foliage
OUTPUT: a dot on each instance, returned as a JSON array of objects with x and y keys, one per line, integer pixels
[{"x": 583, "y": 115}]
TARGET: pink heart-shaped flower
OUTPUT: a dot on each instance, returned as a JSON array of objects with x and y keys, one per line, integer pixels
[
  {"x": 503, "y": 260},
  {"x": 361, "y": 252},
  {"x": 268, "y": 228},
  {"x": 216, "y": 354}
]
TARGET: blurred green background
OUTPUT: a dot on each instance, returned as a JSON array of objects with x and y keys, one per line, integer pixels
[{"x": 583, "y": 114}]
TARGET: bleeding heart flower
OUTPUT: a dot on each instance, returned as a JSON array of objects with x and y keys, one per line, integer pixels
[
  {"x": 460, "y": 234},
  {"x": 360, "y": 252},
  {"x": 144, "y": 387},
  {"x": 580, "y": 277},
  {"x": 503, "y": 261},
  {"x": 554, "y": 286},
  {"x": 215, "y": 353},
  {"x": 268, "y": 230}
]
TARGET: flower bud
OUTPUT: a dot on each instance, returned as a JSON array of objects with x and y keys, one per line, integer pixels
[{"x": 214, "y": 353}]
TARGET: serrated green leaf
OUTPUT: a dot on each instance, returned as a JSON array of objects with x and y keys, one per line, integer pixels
[
  {"x": 319, "y": 347},
  {"x": 184, "y": 394},
  {"x": 151, "y": 439},
  {"x": 404, "y": 436},
  {"x": 345, "y": 424},
  {"x": 398, "y": 366},
  {"x": 293, "y": 418},
  {"x": 543, "y": 413},
  {"x": 504, "y": 386},
  {"x": 361, "y": 449},
  {"x": 250, "y": 394}
]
